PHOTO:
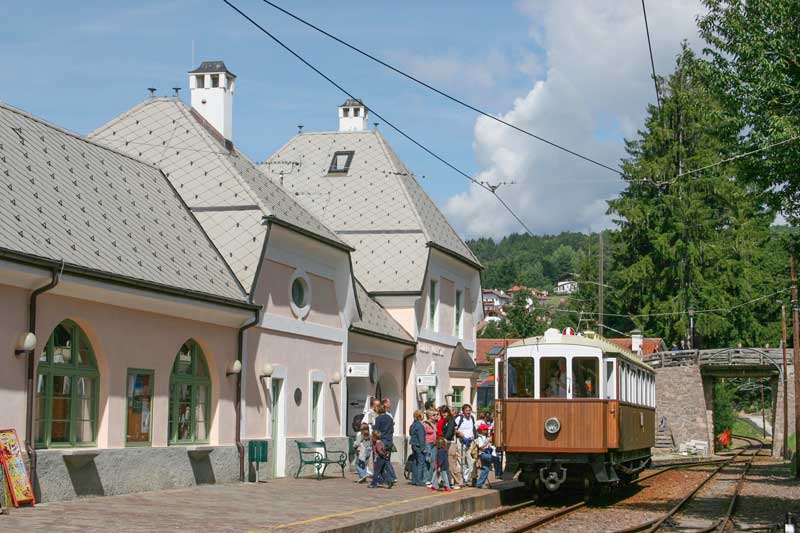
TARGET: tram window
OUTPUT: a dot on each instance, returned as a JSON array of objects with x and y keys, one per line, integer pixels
[
  {"x": 611, "y": 381},
  {"x": 585, "y": 383},
  {"x": 553, "y": 377},
  {"x": 521, "y": 377}
]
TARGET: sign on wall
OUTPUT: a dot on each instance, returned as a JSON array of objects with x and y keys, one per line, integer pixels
[
  {"x": 426, "y": 380},
  {"x": 19, "y": 484}
]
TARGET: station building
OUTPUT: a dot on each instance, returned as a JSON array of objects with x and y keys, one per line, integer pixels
[{"x": 186, "y": 301}]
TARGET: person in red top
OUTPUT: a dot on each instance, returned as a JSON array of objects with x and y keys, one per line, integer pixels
[{"x": 442, "y": 419}]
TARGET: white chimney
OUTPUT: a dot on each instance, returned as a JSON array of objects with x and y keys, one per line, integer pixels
[
  {"x": 211, "y": 85},
  {"x": 637, "y": 339},
  {"x": 353, "y": 116}
]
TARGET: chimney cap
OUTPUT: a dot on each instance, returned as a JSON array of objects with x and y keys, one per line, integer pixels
[
  {"x": 352, "y": 102},
  {"x": 212, "y": 67}
]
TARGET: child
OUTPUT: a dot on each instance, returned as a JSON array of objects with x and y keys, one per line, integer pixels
[
  {"x": 381, "y": 459},
  {"x": 363, "y": 451},
  {"x": 442, "y": 466},
  {"x": 484, "y": 447}
]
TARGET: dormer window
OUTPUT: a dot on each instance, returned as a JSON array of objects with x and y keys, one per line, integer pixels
[
  {"x": 215, "y": 80},
  {"x": 201, "y": 81},
  {"x": 346, "y": 112},
  {"x": 340, "y": 163},
  {"x": 356, "y": 111}
]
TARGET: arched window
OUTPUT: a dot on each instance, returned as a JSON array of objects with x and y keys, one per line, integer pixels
[
  {"x": 189, "y": 396},
  {"x": 66, "y": 389}
]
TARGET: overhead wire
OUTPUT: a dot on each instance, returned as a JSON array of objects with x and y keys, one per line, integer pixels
[
  {"x": 652, "y": 62},
  {"x": 441, "y": 92},
  {"x": 383, "y": 118}
]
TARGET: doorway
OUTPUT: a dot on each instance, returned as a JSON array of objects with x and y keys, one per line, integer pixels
[
  {"x": 278, "y": 428},
  {"x": 316, "y": 419}
]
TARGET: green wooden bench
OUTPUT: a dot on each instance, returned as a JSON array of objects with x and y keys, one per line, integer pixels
[{"x": 310, "y": 454}]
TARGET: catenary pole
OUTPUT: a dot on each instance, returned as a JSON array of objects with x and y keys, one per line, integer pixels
[
  {"x": 601, "y": 297},
  {"x": 785, "y": 384},
  {"x": 796, "y": 357}
]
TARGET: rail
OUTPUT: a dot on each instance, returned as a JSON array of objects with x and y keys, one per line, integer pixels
[{"x": 558, "y": 513}]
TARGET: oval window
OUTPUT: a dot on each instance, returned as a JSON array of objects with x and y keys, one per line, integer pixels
[{"x": 299, "y": 292}]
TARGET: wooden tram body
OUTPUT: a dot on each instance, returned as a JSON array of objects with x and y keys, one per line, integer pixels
[{"x": 573, "y": 409}]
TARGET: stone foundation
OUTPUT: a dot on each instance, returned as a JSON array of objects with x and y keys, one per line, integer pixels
[{"x": 74, "y": 473}]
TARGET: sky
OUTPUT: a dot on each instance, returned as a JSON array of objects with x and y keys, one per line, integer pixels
[{"x": 575, "y": 72}]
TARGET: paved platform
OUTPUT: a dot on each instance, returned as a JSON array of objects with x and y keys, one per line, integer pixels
[{"x": 332, "y": 504}]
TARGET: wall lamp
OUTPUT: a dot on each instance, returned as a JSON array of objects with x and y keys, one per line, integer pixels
[
  {"x": 267, "y": 370},
  {"x": 336, "y": 378},
  {"x": 449, "y": 393},
  {"x": 25, "y": 343},
  {"x": 234, "y": 368}
]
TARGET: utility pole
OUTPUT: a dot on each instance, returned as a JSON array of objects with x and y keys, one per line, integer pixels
[
  {"x": 785, "y": 390},
  {"x": 601, "y": 297},
  {"x": 796, "y": 358}
]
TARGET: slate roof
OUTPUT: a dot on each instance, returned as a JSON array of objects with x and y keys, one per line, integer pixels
[
  {"x": 377, "y": 206},
  {"x": 225, "y": 190},
  {"x": 209, "y": 67},
  {"x": 375, "y": 319},
  {"x": 63, "y": 197},
  {"x": 352, "y": 102}
]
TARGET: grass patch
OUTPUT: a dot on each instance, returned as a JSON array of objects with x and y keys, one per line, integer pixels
[{"x": 745, "y": 429}]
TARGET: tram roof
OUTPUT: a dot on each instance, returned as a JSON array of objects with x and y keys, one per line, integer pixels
[{"x": 596, "y": 341}]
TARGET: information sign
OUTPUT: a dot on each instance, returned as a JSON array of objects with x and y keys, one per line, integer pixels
[{"x": 18, "y": 482}]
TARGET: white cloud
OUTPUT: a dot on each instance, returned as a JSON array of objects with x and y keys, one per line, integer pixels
[{"x": 593, "y": 91}]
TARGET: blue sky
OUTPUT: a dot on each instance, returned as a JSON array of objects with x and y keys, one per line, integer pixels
[{"x": 79, "y": 64}]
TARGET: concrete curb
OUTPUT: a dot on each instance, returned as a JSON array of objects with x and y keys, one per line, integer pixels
[{"x": 478, "y": 500}]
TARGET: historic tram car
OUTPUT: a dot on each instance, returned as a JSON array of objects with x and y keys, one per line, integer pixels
[{"x": 575, "y": 410}]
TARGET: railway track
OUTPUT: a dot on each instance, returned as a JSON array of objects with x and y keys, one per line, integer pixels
[{"x": 551, "y": 517}]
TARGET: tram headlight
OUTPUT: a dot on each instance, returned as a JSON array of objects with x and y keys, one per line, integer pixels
[{"x": 552, "y": 425}]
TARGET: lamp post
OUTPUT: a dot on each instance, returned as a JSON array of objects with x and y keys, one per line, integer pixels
[{"x": 691, "y": 327}]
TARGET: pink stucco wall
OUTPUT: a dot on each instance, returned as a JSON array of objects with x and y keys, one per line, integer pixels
[
  {"x": 299, "y": 357},
  {"x": 272, "y": 291},
  {"x": 121, "y": 338}
]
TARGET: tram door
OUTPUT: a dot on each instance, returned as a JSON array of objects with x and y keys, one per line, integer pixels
[{"x": 278, "y": 428}]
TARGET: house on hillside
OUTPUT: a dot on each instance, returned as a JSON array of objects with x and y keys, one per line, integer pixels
[
  {"x": 566, "y": 287},
  {"x": 494, "y": 303},
  {"x": 405, "y": 254}
]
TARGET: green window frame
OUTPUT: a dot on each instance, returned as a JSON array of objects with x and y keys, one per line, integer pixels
[
  {"x": 432, "y": 304},
  {"x": 458, "y": 397},
  {"x": 67, "y": 386},
  {"x": 144, "y": 409},
  {"x": 189, "y": 396}
]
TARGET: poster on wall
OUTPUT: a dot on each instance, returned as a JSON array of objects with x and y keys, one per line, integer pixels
[{"x": 19, "y": 485}]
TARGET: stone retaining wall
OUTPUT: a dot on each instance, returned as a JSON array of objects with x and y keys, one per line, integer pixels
[{"x": 680, "y": 398}]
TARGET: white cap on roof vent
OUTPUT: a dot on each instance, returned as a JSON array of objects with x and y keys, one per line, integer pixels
[{"x": 552, "y": 334}]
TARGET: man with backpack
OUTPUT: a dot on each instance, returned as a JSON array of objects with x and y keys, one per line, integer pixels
[{"x": 466, "y": 430}]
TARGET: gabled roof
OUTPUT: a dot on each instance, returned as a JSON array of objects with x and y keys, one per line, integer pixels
[
  {"x": 66, "y": 198},
  {"x": 376, "y": 320},
  {"x": 228, "y": 194},
  {"x": 377, "y": 206}
]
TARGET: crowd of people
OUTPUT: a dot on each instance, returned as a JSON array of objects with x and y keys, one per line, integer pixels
[{"x": 450, "y": 448}]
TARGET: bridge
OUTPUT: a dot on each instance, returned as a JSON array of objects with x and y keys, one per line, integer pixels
[{"x": 685, "y": 389}]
